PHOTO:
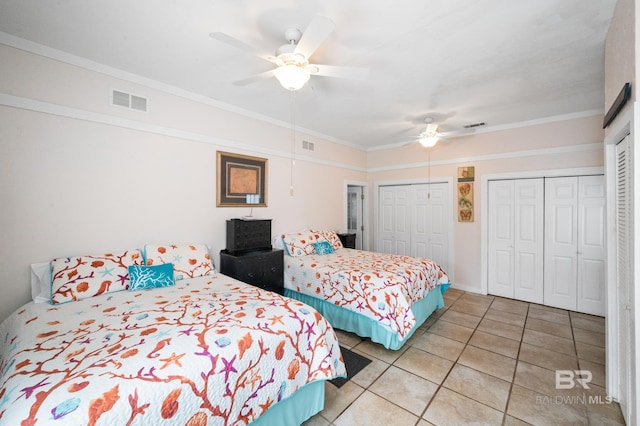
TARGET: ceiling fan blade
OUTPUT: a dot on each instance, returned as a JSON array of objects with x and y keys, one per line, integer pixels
[
  {"x": 232, "y": 41},
  {"x": 317, "y": 31},
  {"x": 339, "y": 71},
  {"x": 262, "y": 76}
]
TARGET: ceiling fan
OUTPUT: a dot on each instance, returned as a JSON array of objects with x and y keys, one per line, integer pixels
[
  {"x": 292, "y": 58},
  {"x": 430, "y": 135}
]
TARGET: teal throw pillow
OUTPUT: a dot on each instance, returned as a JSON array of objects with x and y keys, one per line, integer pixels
[
  {"x": 154, "y": 276},
  {"x": 323, "y": 247}
]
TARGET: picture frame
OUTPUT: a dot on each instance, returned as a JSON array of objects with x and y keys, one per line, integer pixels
[{"x": 241, "y": 180}]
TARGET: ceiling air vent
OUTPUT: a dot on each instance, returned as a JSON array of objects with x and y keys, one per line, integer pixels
[
  {"x": 474, "y": 125},
  {"x": 308, "y": 145},
  {"x": 127, "y": 100}
]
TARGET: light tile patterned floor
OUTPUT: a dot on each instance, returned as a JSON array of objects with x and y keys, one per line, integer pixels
[{"x": 480, "y": 360}]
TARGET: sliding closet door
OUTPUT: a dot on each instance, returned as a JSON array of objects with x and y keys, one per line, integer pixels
[
  {"x": 591, "y": 241},
  {"x": 561, "y": 242},
  {"x": 394, "y": 219}
]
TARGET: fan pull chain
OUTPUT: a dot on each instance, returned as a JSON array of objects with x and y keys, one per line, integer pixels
[
  {"x": 428, "y": 173},
  {"x": 292, "y": 103}
]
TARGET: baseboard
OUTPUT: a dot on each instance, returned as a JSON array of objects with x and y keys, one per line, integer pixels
[{"x": 470, "y": 289}]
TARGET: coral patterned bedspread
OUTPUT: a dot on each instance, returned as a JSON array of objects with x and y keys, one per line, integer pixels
[
  {"x": 207, "y": 351},
  {"x": 380, "y": 286}
]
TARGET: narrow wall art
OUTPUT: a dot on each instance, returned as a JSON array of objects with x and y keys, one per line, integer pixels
[{"x": 466, "y": 176}]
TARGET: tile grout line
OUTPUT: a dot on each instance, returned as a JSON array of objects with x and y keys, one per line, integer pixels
[
  {"x": 475, "y": 329},
  {"x": 441, "y": 385},
  {"x": 515, "y": 370}
]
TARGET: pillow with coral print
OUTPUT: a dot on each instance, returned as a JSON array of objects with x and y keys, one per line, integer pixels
[
  {"x": 189, "y": 261},
  {"x": 154, "y": 276},
  {"x": 81, "y": 277},
  {"x": 301, "y": 243},
  {"x": 332, "y": 237}
]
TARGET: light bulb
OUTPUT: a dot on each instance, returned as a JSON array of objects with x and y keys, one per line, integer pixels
[{"x": 292, "y": 77}]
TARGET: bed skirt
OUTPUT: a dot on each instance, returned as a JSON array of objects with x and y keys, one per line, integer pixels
[
  {"x": 343, "y": 319},
  {"x": 293, "y": 411}
]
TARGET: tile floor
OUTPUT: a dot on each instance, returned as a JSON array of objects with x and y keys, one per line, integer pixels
[{"x": 480, "y": 360}]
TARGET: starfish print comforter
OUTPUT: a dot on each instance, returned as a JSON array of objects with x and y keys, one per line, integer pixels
[
  {"x": 207, "y": 351},
  {"x": 380, "y": 286}
]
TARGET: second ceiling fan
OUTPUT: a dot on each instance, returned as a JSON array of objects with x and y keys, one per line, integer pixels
[
  {"x": 430, "y": 135},
  {"x": 292, "y": 58}
]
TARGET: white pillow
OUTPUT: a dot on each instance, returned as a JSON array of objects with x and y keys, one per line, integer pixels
[
  {"x": 278, "y": 243},
  {"x": 41, "y": 282}
]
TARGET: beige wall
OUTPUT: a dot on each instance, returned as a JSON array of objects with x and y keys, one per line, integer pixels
[
  {"x": 80, "y": 176},
  {"x": 620, "y": 56},
  {"x": 561, "y": 145},
  {"x": 623, "y": 334}
]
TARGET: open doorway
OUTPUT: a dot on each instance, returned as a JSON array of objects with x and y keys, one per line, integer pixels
[{"x": 356, "y": 213}]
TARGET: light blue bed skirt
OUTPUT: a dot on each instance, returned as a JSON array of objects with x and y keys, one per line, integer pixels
[
  {"x": 343, "y": 319},
  {"x": 294, "y": 410}
]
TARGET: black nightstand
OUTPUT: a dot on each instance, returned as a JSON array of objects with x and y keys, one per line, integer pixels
[
  {"x": 262, "y": 268},
  {"x": 348, "y": 240}
]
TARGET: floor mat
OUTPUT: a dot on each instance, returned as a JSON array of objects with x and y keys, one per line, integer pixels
[{"x": 354, "y": 363}]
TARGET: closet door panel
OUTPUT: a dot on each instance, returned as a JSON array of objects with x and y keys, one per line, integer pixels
[
  {"x": 387, "y": 221},
  {"x": 501, "y": 245},
  {"x": 591, "y": 245},
  {"x": 395, "y": 219},
  {"x": 528, "y": 240},
  {"x": 561, "y": 245},
  {"x": 439, "y": 220},
  {"x": 420, "y": 224}
]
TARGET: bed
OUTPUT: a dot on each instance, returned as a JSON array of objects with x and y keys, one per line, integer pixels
[
  {"x": 203, "y": 350},
  {"x": 384, "y": 297}
]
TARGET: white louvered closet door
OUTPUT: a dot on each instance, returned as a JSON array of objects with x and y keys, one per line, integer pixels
[{"x": 623, "y": 233}]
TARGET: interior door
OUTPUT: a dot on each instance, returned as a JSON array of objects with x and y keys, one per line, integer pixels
[
  {"x": 591, "y": 245},
  {"x": 561, "y": 242},
  {"x": 528, "y": 254},
  {"x": 501, "y": 240},
  {"x": 395, "y": 219},
  {"x": 355, "y": 213}
]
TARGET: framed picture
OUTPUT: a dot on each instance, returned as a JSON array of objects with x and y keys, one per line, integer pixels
[
  {"x": 242, "y": 180},
  {"x": 466, "y": 174}
]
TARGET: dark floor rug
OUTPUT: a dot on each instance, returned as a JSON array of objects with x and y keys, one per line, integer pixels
[{"x": 354, "y": 363}]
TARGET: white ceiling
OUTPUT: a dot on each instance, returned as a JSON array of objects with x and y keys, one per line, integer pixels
[{"x": 460, "y": 61}]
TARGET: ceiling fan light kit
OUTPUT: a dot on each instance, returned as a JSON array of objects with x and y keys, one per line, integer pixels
[
  {"x": 428, "y": 141},
  {"x": 292, "y": 58},
  {"x": 291, "y": 76}
]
